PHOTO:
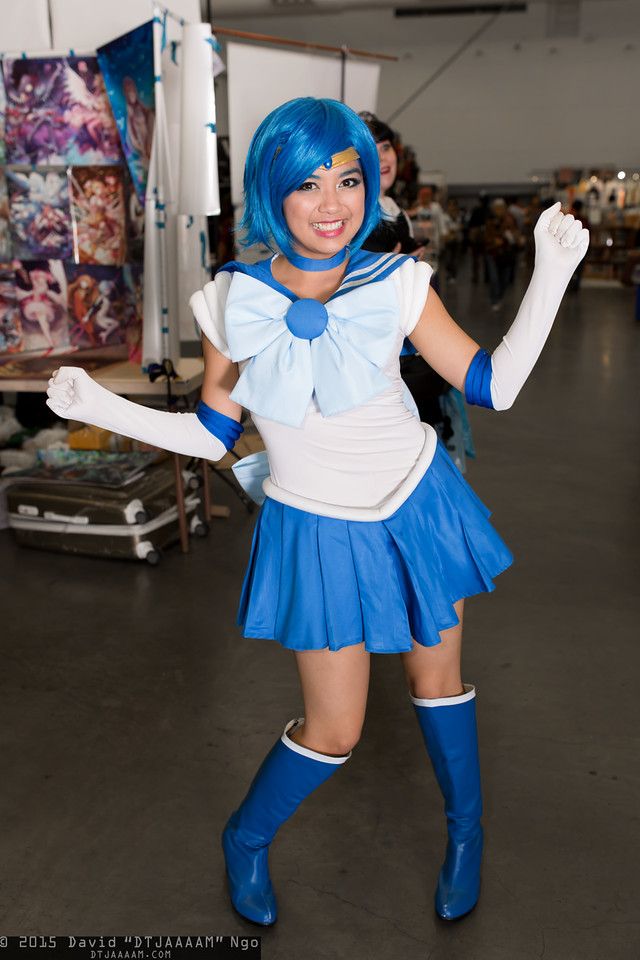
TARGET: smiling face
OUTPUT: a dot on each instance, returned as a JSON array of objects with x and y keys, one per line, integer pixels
[
  {"x": 388, "y": 165},
  {"x": 326, "y": 211}
]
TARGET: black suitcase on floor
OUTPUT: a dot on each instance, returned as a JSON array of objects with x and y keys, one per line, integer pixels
[{"x": 134, "y": 521}]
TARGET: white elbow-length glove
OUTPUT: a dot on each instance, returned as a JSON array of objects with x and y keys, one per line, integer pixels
[
  {"x": 561, "y": 243},
  {"x": 74, "y": 395}
]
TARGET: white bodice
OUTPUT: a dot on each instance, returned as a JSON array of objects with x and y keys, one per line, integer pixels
[{"x": 354, "y": 458}]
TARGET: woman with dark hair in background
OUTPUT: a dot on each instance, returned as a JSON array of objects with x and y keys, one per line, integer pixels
[{"x": 394, "y": 234}]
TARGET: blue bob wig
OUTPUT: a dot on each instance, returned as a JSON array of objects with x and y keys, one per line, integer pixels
[{"x": 290, "y": 143}]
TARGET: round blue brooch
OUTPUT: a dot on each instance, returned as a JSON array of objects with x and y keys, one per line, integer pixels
[{"x": 307, "y": 318}]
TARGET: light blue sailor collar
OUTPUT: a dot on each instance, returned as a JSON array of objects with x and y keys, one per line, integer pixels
[{"x": 300, "y": 348}]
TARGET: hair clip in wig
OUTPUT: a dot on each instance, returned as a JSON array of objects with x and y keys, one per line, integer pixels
[{"x": 343, "y": 156}]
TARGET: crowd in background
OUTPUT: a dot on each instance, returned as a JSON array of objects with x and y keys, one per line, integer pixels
[{"x": 496, "y": 232}]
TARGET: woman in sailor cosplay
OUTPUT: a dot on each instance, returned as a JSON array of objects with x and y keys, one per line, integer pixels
[{"x": 369, "y": 538}]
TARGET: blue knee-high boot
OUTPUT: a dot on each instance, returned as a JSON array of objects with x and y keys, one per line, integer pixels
[
  {"x": 449, "y": 729},
  {"x": 288, "y": 774}
]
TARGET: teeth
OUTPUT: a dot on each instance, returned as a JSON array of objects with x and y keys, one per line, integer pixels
[{"x": 328, "y": 226}]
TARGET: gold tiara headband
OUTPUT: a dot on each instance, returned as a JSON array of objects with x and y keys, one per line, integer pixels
[{"x": 344, "y": 156}]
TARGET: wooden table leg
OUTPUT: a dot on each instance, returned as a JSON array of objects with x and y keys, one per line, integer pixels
[
  {"x": 182, "y": 513},
  {"x": 206, "y": 492}
]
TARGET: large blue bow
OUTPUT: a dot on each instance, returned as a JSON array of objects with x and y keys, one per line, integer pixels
[{"x": 342, "y": 366}]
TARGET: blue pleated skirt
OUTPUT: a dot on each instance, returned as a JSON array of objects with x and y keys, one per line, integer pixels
[{"x": 315, "y": 582}]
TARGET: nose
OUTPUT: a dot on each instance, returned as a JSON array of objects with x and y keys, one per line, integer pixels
[{"x": 329, "y": 201}]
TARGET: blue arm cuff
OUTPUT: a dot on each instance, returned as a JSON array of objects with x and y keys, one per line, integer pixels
[
  {"x": 224, "y": 428},
  {"x": 477, "y": 384}
]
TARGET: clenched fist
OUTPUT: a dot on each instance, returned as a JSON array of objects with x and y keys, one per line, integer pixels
[
  {"x": 74, "y": 395},
  {"x": 561, "y": 241}
]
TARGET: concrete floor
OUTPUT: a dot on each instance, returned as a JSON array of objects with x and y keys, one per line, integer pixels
[{"x": 133, "y": 716}]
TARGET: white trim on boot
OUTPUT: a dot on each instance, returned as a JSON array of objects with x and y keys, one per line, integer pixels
[
  {"x": 305, "y": 751},
  {"x": 469, "y": 694}
]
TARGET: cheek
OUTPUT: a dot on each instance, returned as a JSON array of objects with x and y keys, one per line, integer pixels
[
  {"x": 356, "y": 201},
  {"x": 296, "y": 207}
]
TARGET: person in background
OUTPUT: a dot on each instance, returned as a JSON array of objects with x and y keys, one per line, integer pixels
[
  {"x": 475, "y": 233},
  {"x": 577, "y": 209},
  {"x": 532, "y": 212},
  {"x": 430, "y": 225},
  {"x": 452, "y": 244},
  {"x": 518, "y": 213},
  {"x": 394, "y": 233},
  {"x": 500, "y": 238}
]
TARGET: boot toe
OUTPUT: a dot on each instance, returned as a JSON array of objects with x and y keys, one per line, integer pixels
[{"x": 248, "y": 879}]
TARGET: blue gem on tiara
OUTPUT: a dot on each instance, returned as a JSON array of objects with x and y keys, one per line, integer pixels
[{"x": 328, "y": 164}]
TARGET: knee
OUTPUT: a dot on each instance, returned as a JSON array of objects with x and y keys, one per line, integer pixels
[
  {"x": 432, "y": 688},
  {"x": 335, "y": 742}
]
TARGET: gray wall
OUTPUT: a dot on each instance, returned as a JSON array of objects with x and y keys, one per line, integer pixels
[{"x": 518, "y": 100}]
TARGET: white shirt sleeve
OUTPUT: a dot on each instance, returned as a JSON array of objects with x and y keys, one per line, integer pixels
[
  {"x": 414, "y": 280},
  {"x": 208, "y": 306}
]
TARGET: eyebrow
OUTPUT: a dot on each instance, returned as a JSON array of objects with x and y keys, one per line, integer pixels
[{"x": 347, "y": 173}]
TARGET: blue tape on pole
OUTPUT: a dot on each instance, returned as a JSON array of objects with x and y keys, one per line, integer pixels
[
  {"x": 211, "y": 126},
  {"x": 477, "y": 384},
  {"x": 224, "y": 428},
  {"x": 174, "y": 52},
  {"x": 164, "y": 329},
  {"x": 189, "y": 221},
  {"x": 203, "y": 250},
  {"x": 163, "y": 42}
]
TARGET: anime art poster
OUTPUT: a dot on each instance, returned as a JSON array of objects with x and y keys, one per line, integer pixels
[
  {"x": 127, "y": 67},
  {"x": 135, "y": 223},
  {"x": 132, "y": 275},
  {"x": 96, "y": 302},
  {"x": 98, "y": 214},
  {"x": 5, "y": 238},
  {"x": 57, "y": 112},
  {"x": 10, "y": 325},
  {"x": 39, "y": 215},
  {"x": 41, "y": 291},
  {"x": 3, "y": 107}
]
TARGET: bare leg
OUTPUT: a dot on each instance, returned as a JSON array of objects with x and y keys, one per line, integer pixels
[
  {"x": 435, "y": 671},
  {"x": 335, "y": 684}
]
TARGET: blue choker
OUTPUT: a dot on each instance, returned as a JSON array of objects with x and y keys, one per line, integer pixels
[{"x": 308, "y": 263}]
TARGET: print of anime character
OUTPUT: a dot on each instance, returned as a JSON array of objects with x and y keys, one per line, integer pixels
[
  {"x": 98, "y": 211},
  {"x": 40, "y": 222},
  {"x": 87, "y": 113},
  {"x": 5, "y": 239},
  {"x": 139, "y": 122},
  {"x": 10, "y": 326},
  {"x": 83, "y": 297},
  {"x": 42, "y": 302},
  {"x": 35, "y": 131},
  {"x": 95, "y": 306}
]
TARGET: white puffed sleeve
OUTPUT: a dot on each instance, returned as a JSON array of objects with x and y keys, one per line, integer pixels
[
  {"x": 413, "y": 281},
  {"x": 208, "y": 307}
]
